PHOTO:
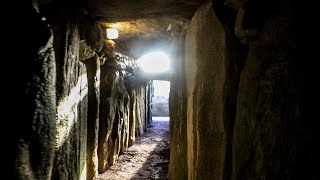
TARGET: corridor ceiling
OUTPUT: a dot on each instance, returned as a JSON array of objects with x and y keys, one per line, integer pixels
[{"x": 144, "y": 25}]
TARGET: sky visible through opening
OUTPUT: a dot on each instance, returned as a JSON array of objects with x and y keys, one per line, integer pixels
[
  {"x": 161, "y": 88},
  {"x": 160, "y": 100}
]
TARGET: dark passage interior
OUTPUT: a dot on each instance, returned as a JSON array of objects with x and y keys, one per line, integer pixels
[{"x": 243, "y": 89}]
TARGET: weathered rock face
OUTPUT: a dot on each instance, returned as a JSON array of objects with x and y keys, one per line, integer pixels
[
  {"x": 178, "y": 168},
  {"x": 61, "y": 97},
  {"x": 34, "y": 132},
  {"x": 235, "y": 58},
  {"x": 123, "y": 111},
  {"x": 124, "y": 10},
  {"x": 250, "y": 105},
  {"x": 139, "y": 109},
  {"x": 205, "y": 76},
  {"x": 93, "y": 74},
  {"x": 274, "y": 136},
  {"x": 72, "y": 105}
]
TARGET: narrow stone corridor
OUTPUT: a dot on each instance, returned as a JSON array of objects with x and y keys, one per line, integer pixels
[
  {"x": 148, "y": 158},
  {"x": 243, "y": 105}
]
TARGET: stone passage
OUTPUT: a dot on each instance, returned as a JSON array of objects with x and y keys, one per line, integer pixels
[{"x": 148, "y": 158}]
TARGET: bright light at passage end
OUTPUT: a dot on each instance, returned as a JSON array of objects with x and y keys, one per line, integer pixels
[{"x": 154, "y": 62}]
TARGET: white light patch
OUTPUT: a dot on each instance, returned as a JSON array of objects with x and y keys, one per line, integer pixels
[
  {"x": 161, "y": 88},
  {"x": 112, "y": 33},
  {"x": 155, "y": 62}
]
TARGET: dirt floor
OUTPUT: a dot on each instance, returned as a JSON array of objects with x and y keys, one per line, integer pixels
[{"x": 148, "y": 158}]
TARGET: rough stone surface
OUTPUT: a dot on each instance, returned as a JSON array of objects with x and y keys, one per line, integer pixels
[
  {"x": 140, "y": 36},
  {"x": 122, "y": 112},
  {"x": 91, "y": 35},
  {"x": 72, "y": 94},
  {"x": 235, "y": 57},
  {"x": 265, "y": 116},
  {"x": 94, "y": 36},
  {"x": 178, "y": 168},
  {"x": 274, "y": 133},
  {"x": 124, "y": 10},
  {"x": 234, "y": 65},
  {"x": 85, "y": 51},
  {"x": 34, "y": 132},
  {"x": 205, "y": 75},
  {"x": 93, "y": 74},
  {"x": 140, "y": 110},
  {"x": 60, "y": 96},
  {"x": 137, "y": 119}
]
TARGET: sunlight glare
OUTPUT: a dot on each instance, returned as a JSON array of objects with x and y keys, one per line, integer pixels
[{"x": 155, "y": 62}]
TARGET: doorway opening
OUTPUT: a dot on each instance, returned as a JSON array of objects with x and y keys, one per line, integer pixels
[{"x": 160, "y": 100}]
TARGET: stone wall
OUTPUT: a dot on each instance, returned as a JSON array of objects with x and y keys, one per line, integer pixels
[
  {"x": 93, "y": 74},
  {"x": 274, "y": 132},
  {"x": 205, "y": 77},
  {"x": 31, "y": 138},
  {"x": 123, "y": 112},
  {"x": 72, "y": 104},
  {"x": 250, "y": 81},
  {"x": 80, "y": 113},
  {"x": 178, "y": 168}
]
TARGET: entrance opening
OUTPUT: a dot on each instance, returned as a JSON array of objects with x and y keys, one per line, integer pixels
[{"x": 160, "y": 100}]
